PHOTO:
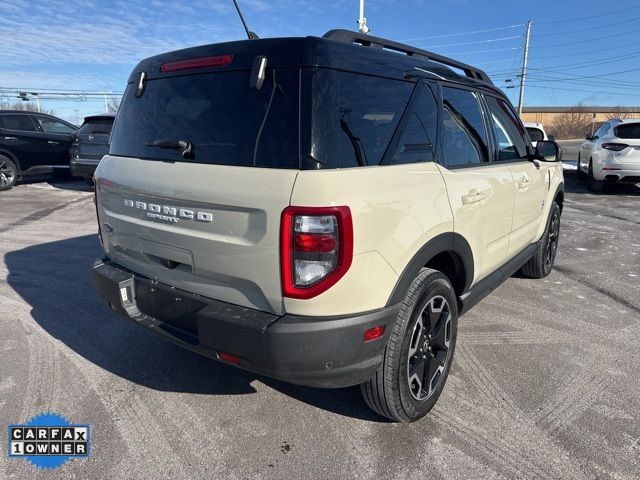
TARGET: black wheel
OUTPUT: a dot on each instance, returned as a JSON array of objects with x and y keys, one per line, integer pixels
[
  {"x": 8, "y": 173},
  {"x": 542, "y": 261},
  {"x": 579, "y": 172},
  {"x": 592, "y": 184},
  {"x": 418, "y": 356}
]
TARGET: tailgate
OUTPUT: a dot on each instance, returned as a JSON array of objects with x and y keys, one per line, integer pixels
[
  {"x": 92, "y": 146},
  {"x": 208, "y": 229}
]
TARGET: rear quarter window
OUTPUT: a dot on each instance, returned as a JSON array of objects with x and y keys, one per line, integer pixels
[{"x": 17, "y": 122}]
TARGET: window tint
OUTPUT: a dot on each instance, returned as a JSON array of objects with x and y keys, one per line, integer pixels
[
  {"x": 226, "y": 121},
  {"x": 512, "y": 143},
  {"x": 51, "y": 125},
  {"x": 628, "y": 130},
  {"x": 535, "y": 134},
  {"x": 97, "y": 126},
  {"x": 417, "y": 140},
  {"x": 370, "y": 109},
  {"x": 17, "y": 122},
  {"x": 465, "y": 135}
]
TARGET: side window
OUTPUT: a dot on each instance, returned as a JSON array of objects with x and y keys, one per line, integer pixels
[
  {"x": 417, "y": 140},
  {"x": 512, "y": 143},
  {"x": 370, "y": 110},
  {"x": 602, "y": 131},
  {"x": 17, "y": 122},
  {"x": 51, "y": 125},
  {"x": 465, "y": 134}
]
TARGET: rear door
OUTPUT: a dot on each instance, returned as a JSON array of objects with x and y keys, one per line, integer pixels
[
  {"x": 530, "y": 179},
  {"x": 206, "y": 220},
  {"x": 20, "y": 136},
  {"x": 58, "y": 135},
  {"x": 481, "y": 192}
]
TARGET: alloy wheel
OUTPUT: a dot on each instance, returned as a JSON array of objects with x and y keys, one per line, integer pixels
[
  {"x": 552, "y": 243},
  {"x": 7, "y": 174},
  {"x": 429, "y": 348}
]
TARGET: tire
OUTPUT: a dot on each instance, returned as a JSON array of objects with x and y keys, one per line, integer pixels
[
  {"x": 579, "y": 173},
  {"x": 541, "y": 263},
  {"x": 396, "y": 390},
  {"x": 593, "y": 185},
  {"x": 8, "y": 173}
]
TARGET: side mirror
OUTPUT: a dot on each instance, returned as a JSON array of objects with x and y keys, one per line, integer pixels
[
  {"x": 548, "y": 151},
  {"x": 552, "y": 138},
  {"x": 588, "y": 137}
]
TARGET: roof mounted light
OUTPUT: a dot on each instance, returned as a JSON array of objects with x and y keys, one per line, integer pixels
[{"x": 203, "y": 62}]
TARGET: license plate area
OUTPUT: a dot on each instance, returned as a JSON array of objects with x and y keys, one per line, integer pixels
[{"x": 176, "y": 312}]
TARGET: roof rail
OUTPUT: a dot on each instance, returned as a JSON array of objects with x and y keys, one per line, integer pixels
[{"x": 347, "y": 36}]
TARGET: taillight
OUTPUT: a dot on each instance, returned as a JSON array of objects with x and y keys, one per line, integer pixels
[
  {"x": 616, "y": 147},
  {"x": 219, "y": 61},
  {"x": 316, "y": 249}
]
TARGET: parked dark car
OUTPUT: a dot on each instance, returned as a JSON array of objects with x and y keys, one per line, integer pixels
[
  {"x": 90, "y": 144},
  {"x": 32, "y": 144}
]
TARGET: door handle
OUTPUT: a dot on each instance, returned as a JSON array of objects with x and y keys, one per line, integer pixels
[
  {"x": 53, "y": 143},
  {"x": 474, "y": 196},
  {"x": 523, "y": 183}
]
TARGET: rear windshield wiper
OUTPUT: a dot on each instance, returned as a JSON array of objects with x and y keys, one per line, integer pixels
[{"x": 171, "y": 144}]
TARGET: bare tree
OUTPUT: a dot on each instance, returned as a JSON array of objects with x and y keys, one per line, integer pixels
[
  {"x": 25, "y": 107},
  {"x": 574, "y": 124},
  {"x": 619, "y": 112},
  {"x": 113, "y": 104}
]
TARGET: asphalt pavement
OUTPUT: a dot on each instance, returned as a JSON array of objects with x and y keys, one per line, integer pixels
[{"x": 545, "y": 383}]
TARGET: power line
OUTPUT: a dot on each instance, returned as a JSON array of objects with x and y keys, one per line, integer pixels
[
  {"x": 485, "y": 51},
  {"x": 593, "y": 39},
  {"x": 462, "y": 33},
  {"x": 589, "y": 91},
  {"x": 474, "y": 43},
  {"x": 600, "y": 27},
  {"x": 569, "y": 20}
]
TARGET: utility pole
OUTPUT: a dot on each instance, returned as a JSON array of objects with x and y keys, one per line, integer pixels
[
  {"x": 37, "y": 100},
  {"x": 523, "y": 74},
  {"x": 106, "y": 104}
]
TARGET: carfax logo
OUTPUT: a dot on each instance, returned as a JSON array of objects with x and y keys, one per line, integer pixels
[{"x": 48, "y": 440}]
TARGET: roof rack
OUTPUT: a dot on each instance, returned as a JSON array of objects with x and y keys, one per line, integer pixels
[{"x": 347, "y": 36}]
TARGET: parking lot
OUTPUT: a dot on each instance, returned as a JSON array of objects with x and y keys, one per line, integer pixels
[{"x": 545, "y": 382}]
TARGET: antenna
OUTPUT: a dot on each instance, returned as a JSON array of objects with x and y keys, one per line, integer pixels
[
  {"x": 362, "y": 21},
  {"x": 250, "y": 34}
]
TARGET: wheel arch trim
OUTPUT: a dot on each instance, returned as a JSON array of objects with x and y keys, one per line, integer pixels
[{"x": 449, "y": 242}]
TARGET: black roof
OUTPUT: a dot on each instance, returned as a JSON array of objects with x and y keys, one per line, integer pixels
[{"x": 339, "y": 49}]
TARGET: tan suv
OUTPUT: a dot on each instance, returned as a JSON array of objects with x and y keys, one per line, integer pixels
[{"x": 320, "y": 210}]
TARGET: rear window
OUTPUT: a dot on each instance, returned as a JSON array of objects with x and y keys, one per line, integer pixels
[
  {"x": 535, "y": 134},
  {"x": 226, "y": 121},
  {"x": 628, "y": 130},
  {"x": 97, "y": 126}
]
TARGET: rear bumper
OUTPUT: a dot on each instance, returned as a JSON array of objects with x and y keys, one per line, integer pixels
[
  {"x": 326, "y": 352},
  {"x": 84, "y": 168}
]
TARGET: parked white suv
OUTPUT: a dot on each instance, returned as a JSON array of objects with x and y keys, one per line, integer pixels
[
  {"x": 320, "y": 210},
  {"x": 611, "y": 154}
]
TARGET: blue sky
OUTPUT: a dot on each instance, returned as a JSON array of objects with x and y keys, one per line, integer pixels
[{"x": 92, "y": 45}]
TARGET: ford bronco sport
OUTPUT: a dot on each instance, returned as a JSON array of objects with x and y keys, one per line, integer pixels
[{"x": 320, "y": 210}]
